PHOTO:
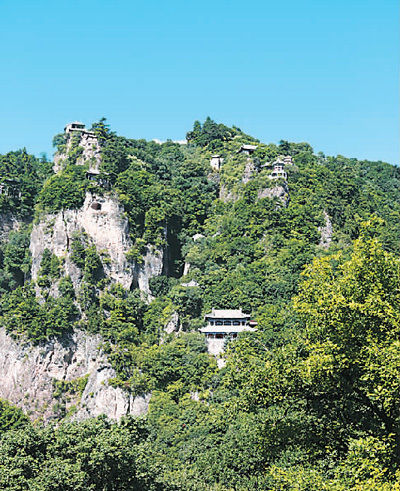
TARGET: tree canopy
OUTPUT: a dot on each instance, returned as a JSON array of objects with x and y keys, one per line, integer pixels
[{"x": 310, "y": 401}]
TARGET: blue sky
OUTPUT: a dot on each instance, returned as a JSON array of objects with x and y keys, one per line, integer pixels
[{"x": 325, "y": 72}]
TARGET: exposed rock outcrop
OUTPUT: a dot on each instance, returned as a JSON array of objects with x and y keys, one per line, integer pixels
[
  {"x": 8, "y": 222},
  {"x": 249, "y": 171},
  {"x": 326, "y": 232},
  {"x": 280, "y": 191},
  {"x": 151, "y": 266},
  {"x": 91, "y": 152},
  {"x": 29, "y": 374},
  {"x": 226, "y": 195},
  {"x": 173, "y": 323},
  {"x": 106, "y": 227}
]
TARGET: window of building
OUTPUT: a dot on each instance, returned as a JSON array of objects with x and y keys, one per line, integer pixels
[
  {"x": 236, "y": 323},
  {"x": 218, "y": 323},
  {"x": 219, "y": 336},
  {"x": 227, "y": 323}
]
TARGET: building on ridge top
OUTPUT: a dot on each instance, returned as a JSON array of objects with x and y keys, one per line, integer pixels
[
  {"x": 247, "y": 149},
  {"x": 77, "y": 126},
  {"x": 223, "y": 325},
  {"x": 74, "y": 126}
]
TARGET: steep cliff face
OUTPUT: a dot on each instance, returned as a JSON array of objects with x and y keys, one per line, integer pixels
[
  {"x": 8, "y": 222},
  {"x": 280, "y": 191},
  {"x": 152, "y": 265},
  {"x": 103, "y": 221},
  {"x": 69, "y": 375},
  {"x": 91, "y": 152},
  {"x": 249, "y": 171},
  {"x": 326, "y": 232},
  {"x": 104, "y": 224}
]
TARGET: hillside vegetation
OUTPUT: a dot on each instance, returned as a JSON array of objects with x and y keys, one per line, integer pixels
[{"x": 309, "y": 401}]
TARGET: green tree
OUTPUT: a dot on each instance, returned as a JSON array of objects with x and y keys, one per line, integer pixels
[
  {"x": 11, "y": 417},
  {"x": 351, "y": 312}
]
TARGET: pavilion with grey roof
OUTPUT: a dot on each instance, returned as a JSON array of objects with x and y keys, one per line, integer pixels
[
  {"x": 223, "y": 325},
  {"x": 247, "y": 149}
]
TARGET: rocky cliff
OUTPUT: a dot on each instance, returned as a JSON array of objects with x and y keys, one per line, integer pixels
[
  {"x": 8, "y": 222},
  {"x": 102, "y": 220},
  {"x": 280, "y": 191},
  {"x": 91, "y": 151},
  {"x": 68, "y": 376},
  {"x": 326, "y": 232}
]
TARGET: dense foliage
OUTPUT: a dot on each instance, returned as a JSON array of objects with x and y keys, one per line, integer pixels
[
  {"x": 311, "y": 401},
  {"x": 65, "y": 190},
  {"x": 23, "y": 315},
  {"x": 21, "y": 178}
]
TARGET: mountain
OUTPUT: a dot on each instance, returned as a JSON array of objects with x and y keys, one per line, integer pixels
[{"x": 110, "y": 257}]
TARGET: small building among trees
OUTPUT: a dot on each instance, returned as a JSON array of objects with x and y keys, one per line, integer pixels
[
  {"x": 11, "y": 188},
  {"x": 287, "y": 160},
  {"x": 216, "y": 162},
  {"x": 278, "y": 170},
  {"x": 97, "y": 177},
  {"x": 78, "y": 127},
  {"x": 247, "y": 149},
  {"x": 223, "y": 325}
]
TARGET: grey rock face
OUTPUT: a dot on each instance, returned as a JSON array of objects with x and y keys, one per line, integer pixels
[
  {"x": 91, "y": 152},
  {"x": 226, "y": 196},
  {"x": 8, "y": 222},
  {"x": 173, "y": 323},
  {"x": 326, "y": 232},
  {"x": 151, "y": 266},
  {"x": 106, "y": 227},
  {"x": 27, "y": 375},
  {"x": 281, "y": 192},
  {"x": 249, "y": 171}
]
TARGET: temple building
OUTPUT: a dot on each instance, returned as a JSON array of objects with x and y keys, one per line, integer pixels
[
  {"x": 247, "y": 149},
  {"x": 287, "y": 160},
  {"x": 75, "y": 126},
  {"x": 223, "y": 325},
  {"x": 216, "y": 162},
  {"x": 279, "y": 170},
  {"x": 78, "y": 127},
  {"x": 11, "y": 188},
  {"x": 98, "y": 178}
]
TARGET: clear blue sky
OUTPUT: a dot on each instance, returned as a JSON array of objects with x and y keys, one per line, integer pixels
[{"x": 321, "y": 71}]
